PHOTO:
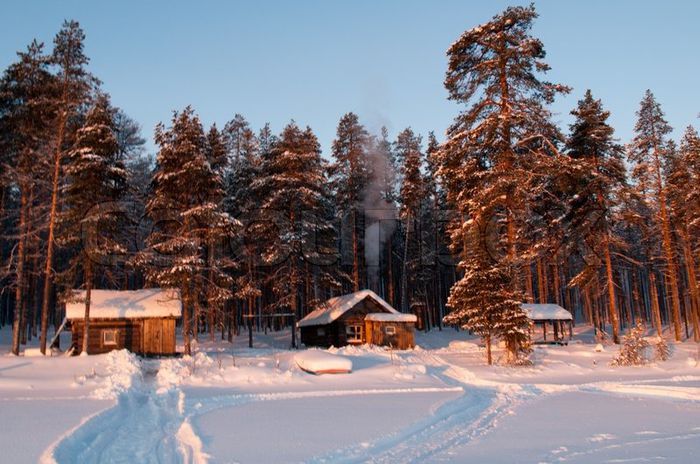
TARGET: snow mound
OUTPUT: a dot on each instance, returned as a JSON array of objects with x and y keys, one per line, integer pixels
[
  {"x": 322, "y": 362},
  {"x": 173, "y": 372},
  {"x": 123, "y": 371}
]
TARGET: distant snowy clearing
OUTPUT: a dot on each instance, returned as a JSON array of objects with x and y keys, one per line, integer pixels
[{"x": 437, "y": 403}]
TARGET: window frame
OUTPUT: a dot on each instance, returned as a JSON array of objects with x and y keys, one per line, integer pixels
[
  {"x": 354, "y": 333},
  {"x": 392, "y": 332},
  {"x": 114, "y": 332}
]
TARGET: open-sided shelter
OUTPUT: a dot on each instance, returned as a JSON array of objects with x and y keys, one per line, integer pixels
[{"x": 554, "y": 315}]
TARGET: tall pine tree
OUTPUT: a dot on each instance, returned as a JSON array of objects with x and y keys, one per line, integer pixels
[
  {"x": 597, "y": 180},
  {"x": 648, "y": 152},
  {"x": 495, "y": 147},
  {"x": 96, "y": 177}
]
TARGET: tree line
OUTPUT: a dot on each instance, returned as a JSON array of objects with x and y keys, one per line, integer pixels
[{"x": 256, "y": 228}]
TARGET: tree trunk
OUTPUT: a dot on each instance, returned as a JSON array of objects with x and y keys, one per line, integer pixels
[
  {"x": 612, "y": 307},
  {"x": 186, "y": 327},
  {"x": 692, "y": 284},
  {"x": 19, "y": 290},
  {"x": 667, "y": 243},
  {"x": 211, "y": 308},
  {"x": 529, "y": 291},
  {"x": 88, "y": 294},
  {"x": 656, "y": 311},
  {"x": 489, "y": 359},
  {"x": 390, "y": 274},
  {"x": 404, "y": 274},
  {"x": 55, "y": 190},
  {"x": 355, "y": 253}
]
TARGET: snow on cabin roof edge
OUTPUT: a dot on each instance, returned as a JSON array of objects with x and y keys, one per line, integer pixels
[
  {"x": 335, "y": 307},
  {"x": 546, "y": 311},
  {"x": 126, "y": 304}
]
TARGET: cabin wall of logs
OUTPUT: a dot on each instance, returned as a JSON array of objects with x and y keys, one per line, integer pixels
[{"x": 145, "y": 336}]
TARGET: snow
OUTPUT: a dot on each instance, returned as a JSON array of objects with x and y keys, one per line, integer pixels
[
  {"x": 437, "y": 403},
  {"x": 387, "y": 317},
  {"x": 544, "y": 312},
  {"x": 322, "y": 362},
  {"x": 131, "y": 304},
  {"x": 339, "y": 305}
]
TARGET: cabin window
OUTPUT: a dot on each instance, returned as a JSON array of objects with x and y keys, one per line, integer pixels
[
  {"x": 109, "y": 337},
  {"x": 354, "y": 333},
  {"x": 320, "y": 332},
  {"x": 390, "y": 330}
]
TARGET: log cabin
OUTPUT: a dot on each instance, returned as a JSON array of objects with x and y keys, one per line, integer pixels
[
  {"x": 355, "y": 319},
  {"x": 142, "y": 321}
]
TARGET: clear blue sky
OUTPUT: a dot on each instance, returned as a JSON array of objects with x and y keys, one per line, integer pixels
[{"x": 385, "y": 60}]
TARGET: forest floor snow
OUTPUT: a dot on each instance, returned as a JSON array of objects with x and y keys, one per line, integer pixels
[{"x": 438, "y": 403}]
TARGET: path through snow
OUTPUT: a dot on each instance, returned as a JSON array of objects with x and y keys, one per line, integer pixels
[{"x": 151, "y": 423}]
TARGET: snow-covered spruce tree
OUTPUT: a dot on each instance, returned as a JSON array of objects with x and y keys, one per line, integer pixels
[
  {"x": 216, "y": 228},
  {"x": 349, "y": 175},
  {"x": 242, "y": 202},
  {"x": 495, "y": 148},
  {"x": 96, "y": 177},
  {"x": 683, "y": 201},
  {"x": 483, "y": 301},
  {"x": 295, "y": 209},
  {"x": 407, "y": 150},
  {"x": 433, "y": 231},
  {"x": 26, "y": 114},
  {"x": 74, "y": 88},
  {"x": 633, "y": 349},
  {"x": 648, "y": 152},
  {"x": 185, "y": 207},
  {"x": 596, "y": 178}
]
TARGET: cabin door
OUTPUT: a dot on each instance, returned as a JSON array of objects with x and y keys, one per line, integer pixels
[{"x": 152, "y": 336}]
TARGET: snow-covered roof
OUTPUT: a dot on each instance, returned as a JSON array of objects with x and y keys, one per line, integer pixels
[
  {"x": 128, "y": 304},
  {"x": 391, "y": 317},
  {"x": 339, "y": 305},
  {"x": 549, "y": 311}
]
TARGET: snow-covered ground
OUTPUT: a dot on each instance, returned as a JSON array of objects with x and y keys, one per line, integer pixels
[{"x": 437, "y": 403}]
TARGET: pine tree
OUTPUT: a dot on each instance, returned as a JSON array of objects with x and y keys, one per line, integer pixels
[
  {"x": 597, "y": 178},
  {"x": 349, "y": 175},
  {"x": 25, "y": 98},
  {"x": 242, "y": 202},
  {"x": 95, "y": 177},
  {"x": 74, "y": 87},
  {"x": 682, "y": 172},
  {"x": 633, "y": 349},
  {"x": 648, "y": 152},
  {"x": 407, "y": 149},
  {"x": 497, "y": 146},
  {"x": 483, "y": 301},
  {"x": 292, "y": 189},
  {"x": 188, "y": 220}
]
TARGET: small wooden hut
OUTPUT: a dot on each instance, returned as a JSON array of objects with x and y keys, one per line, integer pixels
[
  {"x": 357, "y": 318},
  {"x": 550, "y": 314},
  {"x": 142, "y": 321}
]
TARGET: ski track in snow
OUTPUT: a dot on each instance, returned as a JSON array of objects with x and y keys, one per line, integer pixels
[
  {"x": 152, "y": 427},
  {"x": 454, "y": 424}
]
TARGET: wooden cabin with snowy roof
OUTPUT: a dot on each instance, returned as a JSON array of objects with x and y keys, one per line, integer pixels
[
  {"x": 142, "y": 321},
  {"x": 358, "y": 318}
]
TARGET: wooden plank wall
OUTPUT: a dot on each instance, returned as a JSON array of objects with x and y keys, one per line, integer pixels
[
  {"x": 142, "y": 336},
  {"x": 128, "y": 335},
  {"x": 403, "y": 339}
]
